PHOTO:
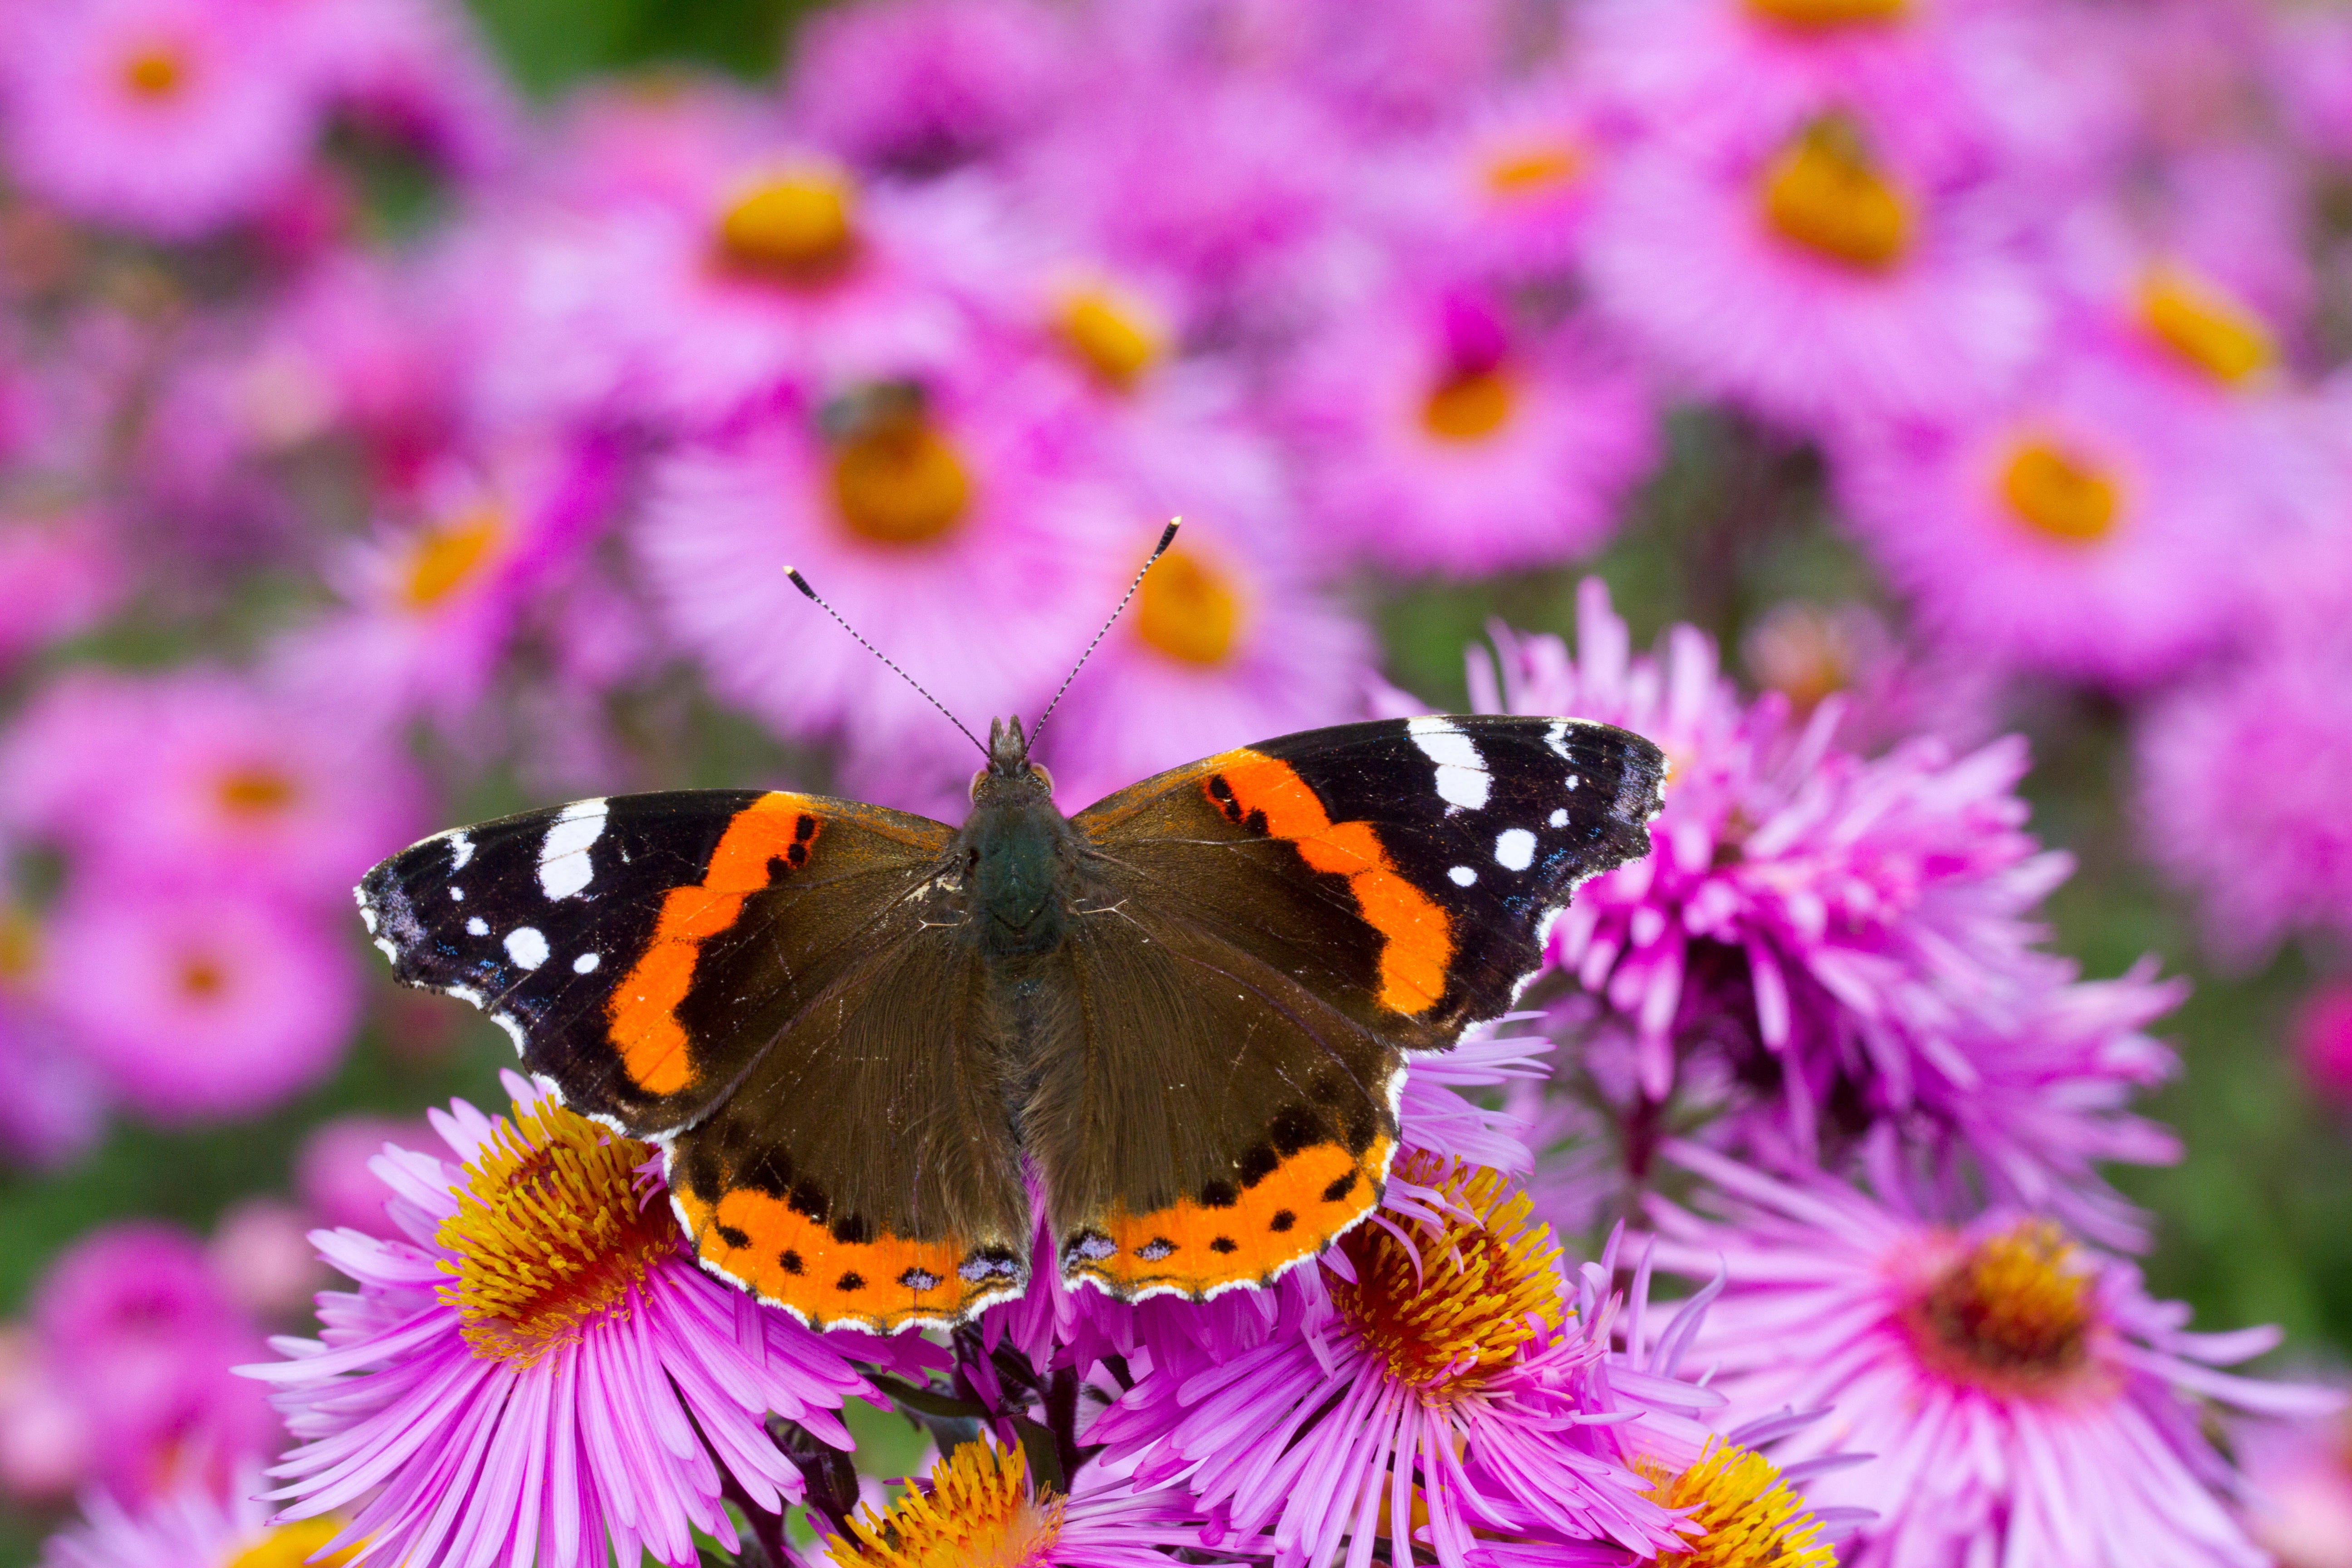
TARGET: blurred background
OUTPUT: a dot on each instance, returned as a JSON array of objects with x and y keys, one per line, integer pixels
[{"x": 406, "y": 414}]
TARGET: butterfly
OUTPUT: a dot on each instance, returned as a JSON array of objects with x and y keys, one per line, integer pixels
[{"x": 855, "y": 1033}]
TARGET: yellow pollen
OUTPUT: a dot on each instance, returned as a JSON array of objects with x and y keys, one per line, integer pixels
[
  {"x": 155, "y": 72},
  {"x": 202, "y": 978},
  {"x": 2015, "y": 1314},
  {"x": 1533, "y": 169},
  {"x": 1825, "y": 14},
  {"x": 798, "y": 229},
  {"x": 1751, "y": 1517},
  {"x": 898, "y": 480},
  {"x": 256, "y": 792},
  {"x": 1188, "y": 609},
  {"x": 978, "y": 1513},
  {"x": 1485, "y": 1282},
  {"x": 549, "y": 1234},
  {"x": 20, "y": 944},
  {"x": 1469, "y": 406},
  {"x": 1114, "y": 336},
  {"x": 2204, "y": 326},
  {"x": 292, "y": 1545},
  {"x": 2056, "y": 493},
  {"x": 444, "y": 558},
  {"x": 1825, "y": 192}
]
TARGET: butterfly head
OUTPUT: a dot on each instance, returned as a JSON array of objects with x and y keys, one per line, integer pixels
[{"x": 1010, "y": 773}]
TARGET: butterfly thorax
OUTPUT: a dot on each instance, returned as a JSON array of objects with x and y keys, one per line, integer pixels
[{"x": 1018, "y": 849}]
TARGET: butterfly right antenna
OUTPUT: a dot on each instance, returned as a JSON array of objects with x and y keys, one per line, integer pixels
[
  {"x": 802, "y": 585},
  {"x": 1167, "y": 538}
]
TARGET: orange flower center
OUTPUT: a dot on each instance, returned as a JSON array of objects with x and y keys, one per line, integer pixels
[
  {"x": 1824, "y": 13},
  {"x": 203, "y": 978},
  {"x": 1824, "y": 191},
  {"x": 1115, "y": 337},
  {"x": 1188, "y": 609},
  {"x": 1748, "y": 1516},
  {"x": 1533, "y": 169},
  {"x": 2058, "y": 494},
  {"x": 155, "y": 72},
  {"x": 255, "y": 792},
  {"x": 549, "y": 1234},
  {"x": 20, "y": 944},
  {"x": 1469, "y": 405},
  {"x": 2016, "y": 1313},
  {"x": 444, "y": 559},
  {"x": 898, "y": 480},
  {"x": 1446, "y": 1312},
  {"x": 797, "y": 229},
  {"x": 292, "y": 1545},
  {"x": 2206, "y": 328},
  {"x": 978, "y": 1513}
]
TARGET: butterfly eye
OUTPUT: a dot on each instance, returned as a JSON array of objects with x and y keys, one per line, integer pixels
[
  {"x": 975, "y": 791},
  {"x": 1039, "y": 769}
]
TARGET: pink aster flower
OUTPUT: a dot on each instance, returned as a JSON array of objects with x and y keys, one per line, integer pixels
[
  {"x": 333, "y": 1175},
  {"x": 1228, "y": 640},
  {"x": 2087, "y": 529},
  {"x": 61, "y": 572},
  {"x": 196, "y": 1525},
  {"x": 2299, "y": 1478},
  {"x": 206, "y": 778},
  {"x": 174, "y": 117},
  {"x": 199, "y": 1003},
  {"x": 467, "y": 1407},
  {"x": 2028, "y": 1402},
  {"x": 944, "y": 522},
  {"x": 137, "y": 1336},
  {"x": 1506, "y": 193},
  {"x": 2323, "y": 1041},
  {"x": 1443, "y": 434},
  {"x": 1455, "y": 1378},
  {"x": 415, "y": 71},
  {"x": 923, "y": 85},
  {"x": 1823, "y": 928},
  {"x": 1817, "y": 274}
]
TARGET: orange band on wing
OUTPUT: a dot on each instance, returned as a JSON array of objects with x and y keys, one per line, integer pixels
[
  {"x": 884, "y": 1284},
  {"x": 1418, "y": 935},
  {"x": 1293, "y": 1213},
  {"x": 642, "y": 1017}
]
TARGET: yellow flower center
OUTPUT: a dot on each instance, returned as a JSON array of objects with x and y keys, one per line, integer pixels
[
  {"x": 1751, "y": 1517},
  {"x": 443, "y": 559},
  {"x": 1824, "y": 13},
  {"x": 1469, "y": 405},
  {"x": 1801, "y": 652},
  {"x": 156, "y": 71},
  {"x": 255, "y": 792},
  {"x": 1533, "y": 169},
  {"x": 1188, "y": 609},
  {"x": 2204, "y": 326},
  {"x": 898, "y": 480},
  {"x": 549, "y": 1234},
  {"x": 203, "y": 978},
  {"x": 1824, "y": 191},
  {"x": 797, "y": 229},
  {"x": 1483, "y": 1283},
  {"x": 980, "y": 1513},
  {"x": 1114, "y": 336},
  {"x": 292, "y": 1545},
  {"x": 20, "y": 944},
  {"x": 2057, "y": 493},
  {"x": 2014, "y": 1314}
]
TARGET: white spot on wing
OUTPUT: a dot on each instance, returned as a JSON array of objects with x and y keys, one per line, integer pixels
[
  {"x": 461, "y": 849},
  {"x": 1557, "y": 736},
  {"x": 367, "y": 917},
  {"x": 1462, "y": 779},
  {"x": 565, "y": 868},
  {"x": 527, "y": 946},
  {"x": 1462, "y": 875},
  {"x": 478, "y": 926},
  {"x": 385, "y": 947},
  {"x": 1515, "y": 850},
  {"x": 1559, "y": 818},
  {"x": 586, "y": 964},
  {"x": 456, "y": 895}
]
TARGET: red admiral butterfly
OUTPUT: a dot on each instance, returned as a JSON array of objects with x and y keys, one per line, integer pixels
[{"x": 1188, "y": 1008}]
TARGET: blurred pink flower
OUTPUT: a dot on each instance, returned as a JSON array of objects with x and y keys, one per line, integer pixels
[
  {"x": 1440, "y": 435},
  {"x": 1817, "y": 274},
  {"x": 197, "y": 1524},
  {"x": 203, "y": 777},
  {"x": 415, "y": 71},
  {"x": 199, "y": 1004},
  {"x": 920, "y": 86},
  {"x": 1505, "y": 193},
  {"x": 2027, "y": 1402},
  {"x": 2086, "y": 530},
  {"x": 61, "y": 572},
  {"x": 945, "y": 522},
  {"x": 170, "y": 117},
  {"x": 2299, "y": 1483},
  {"x": 261, "y": 1254},
  {"x": 138, "y": 1335},
  {"x": 332, "y": 1176},
  {"x": 2323, "y": 1041}
]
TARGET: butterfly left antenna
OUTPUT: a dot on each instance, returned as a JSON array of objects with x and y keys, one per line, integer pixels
[
  {"x": 1167, "y": 538},
  {"x": 802, "y": 585}
]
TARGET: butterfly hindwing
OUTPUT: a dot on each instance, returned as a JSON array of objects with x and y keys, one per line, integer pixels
[{"x": 1288, "y": 921}]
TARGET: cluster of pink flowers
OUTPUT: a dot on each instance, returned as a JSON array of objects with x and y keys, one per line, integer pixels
[{"x": 330, "y": 515}]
